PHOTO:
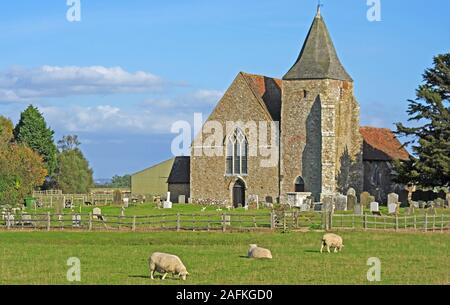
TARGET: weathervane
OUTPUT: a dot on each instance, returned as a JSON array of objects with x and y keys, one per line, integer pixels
[{"x": 319, "y": 5}]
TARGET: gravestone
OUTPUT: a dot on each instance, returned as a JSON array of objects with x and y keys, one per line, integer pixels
[
  {"x": 76, "y": 221},
  {"x": 358, "y": 209},
  {"x": 126, "y": 202},
  {"x": 226, "y": 219},
  {"x": 392, "y": 208},
  {"x": 392, "y": 198},
  {"x": 167, "y": 203},
  {"x": 448, "y": 200},
  {"x": 182, "y": 199},
  {"x": 351, "y": 191},
  {"x": 439, "y": 203},
  {"x": 415, "y": 204},
  {"x": 374, "y": 207},
  {"x": 341, "y": 203},
  {"x": 318, "y": 207},
  {"x": 304, "y": 208},
  {"x": 365, "y": 199},
  {"x": 328, "y": 203},
  {"x": 351, "y": 202},
  {"x": 371, "y": 199},
  {"x": 253, "y": 202},
  {"x": 422, "y": 204}
]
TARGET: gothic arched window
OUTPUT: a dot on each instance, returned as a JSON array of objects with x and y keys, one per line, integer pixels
[{"x": 237, "y": 151}]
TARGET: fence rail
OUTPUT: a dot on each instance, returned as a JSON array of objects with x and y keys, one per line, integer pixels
[{"x": 284, "y": 220}]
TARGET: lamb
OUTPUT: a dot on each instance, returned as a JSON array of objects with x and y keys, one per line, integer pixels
[
  {"x": 332, "y": 241},
  {"x": 166, "y": 263},
  {"x": 257, "y": 252}
]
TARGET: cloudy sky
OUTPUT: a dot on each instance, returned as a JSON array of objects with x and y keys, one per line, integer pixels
[{"x": 122, "y": 75}]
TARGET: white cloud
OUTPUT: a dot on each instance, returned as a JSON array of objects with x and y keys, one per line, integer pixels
[
  {"x": 193, "y": 100},
  {"x": 19, "y": 84},
  {"x": 107, "y": 118}
]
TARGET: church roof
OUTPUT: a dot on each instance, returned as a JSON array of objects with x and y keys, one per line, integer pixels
[
  {"x": 381, "y": 144},
  {"x": 268, "y": 90},
  {"x": 318, "y": 58},
  {"x": 181, "y": 171}
]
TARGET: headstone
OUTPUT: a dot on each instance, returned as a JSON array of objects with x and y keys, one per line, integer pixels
[
  {"x": 318, "y": 207},
  {"x": 392, "y": 198},
  {"x": 351, "y": 202},
  {"x": 76, "y": 220},
  {"x": 422, "y": 204},
  {"x": 226, "y": 219},
  {"x": 374, "y": 206},
  {"x": 439, "y": 203},
  {"x": 358, "y": 209},
  {"x": 126, "y": 202},
  {"x": 304, "y": 208},
  {"x": 448, "y": 200},
  {"x": 415, "y": 204},
  {"x": 253, "y": 202},
  {"x": 365, "y": 199},
  {"x": 351, "y": 191},
  {"x": 97, "y": 213},
  {"x": 182, "y": 199},
  {"x": 341, "y": 203},
  {"x": 328, "y": 202},
  {"x": 393, "y": 208},
  {"x": 371, "y": 199}
]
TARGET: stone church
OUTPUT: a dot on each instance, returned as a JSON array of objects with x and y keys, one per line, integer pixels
[{"x": 321, "y": 148}]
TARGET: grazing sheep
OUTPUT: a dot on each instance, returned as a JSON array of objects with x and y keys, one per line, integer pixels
[
  {"x": 166, "y": 263},
  {"x": 257, "y": 252},
  {"x": 332, "y": 241}
]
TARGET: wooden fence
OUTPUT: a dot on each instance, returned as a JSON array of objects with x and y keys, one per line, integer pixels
[
  {"x": 284, "y": 221},
  {"x": 53, "y": 199}
]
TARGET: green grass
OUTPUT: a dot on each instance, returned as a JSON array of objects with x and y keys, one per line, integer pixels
[{"x": 218, "y": 258}]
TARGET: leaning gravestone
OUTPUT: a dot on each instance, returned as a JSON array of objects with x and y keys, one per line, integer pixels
[
  {"x": 365, "y": 199},
  {"x": 392, "y": 208},
  {"x": 374, "y": 207},
  {"x": 351, "y": 202},
  {"x": 341, "y": 203},
  {"x": 392, "y": 198},
  {"x": 351, "y": 191}
]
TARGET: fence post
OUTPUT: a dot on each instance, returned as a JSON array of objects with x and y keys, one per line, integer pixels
[
  {"x": 415, "y": 222},
  {"x": 284, "y": 221},
  {"x": 8, "y": 220},
  {"x": 396, "y": 222},
  {"x": 272, "y": 220},
  {"x": 178, "y": 222},
  {"x": 134, "y": 224},
  {"x": 434, "y": 222},
  {"x": 365, "y": 221},
  {"x": 223, "y": 223},
  {"x": 426, "y": 222},
  {"x": 48, "y": 221},
  {"x": 331, "y": 220},
  {"x": 90, "y": 221}
]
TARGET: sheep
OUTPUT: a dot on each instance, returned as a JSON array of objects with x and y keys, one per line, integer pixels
[
  {"x": 257, "y": 252},
  {"x": 166, "y": 263},
  {"x": 332, "y": 241}
]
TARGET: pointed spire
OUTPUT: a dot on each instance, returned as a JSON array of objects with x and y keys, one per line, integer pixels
[{"x": 318, "y": 58}]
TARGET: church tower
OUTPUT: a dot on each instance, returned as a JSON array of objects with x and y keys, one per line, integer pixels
[{"x": 321, "y": 146}]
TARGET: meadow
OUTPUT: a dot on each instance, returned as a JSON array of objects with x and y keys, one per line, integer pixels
[{"x": 220, "y": 258}]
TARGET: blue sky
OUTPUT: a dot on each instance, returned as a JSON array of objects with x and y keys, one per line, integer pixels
[{"x": 122, "y": 75}]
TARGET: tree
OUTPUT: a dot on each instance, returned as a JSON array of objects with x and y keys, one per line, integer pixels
[
  {"x": 121, "y": 181},
  {"x": 430, "y": 164},
  {"x": 68, "y": 143},
  {"x": 73, "y": 175},
  {"x": 32, "y": 130},
  {"x": 21, "y": 170},
  {"x": 6, "y": 131}
]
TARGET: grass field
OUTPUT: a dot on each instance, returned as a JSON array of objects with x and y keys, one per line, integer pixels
[{"x": 219, "y": 258}]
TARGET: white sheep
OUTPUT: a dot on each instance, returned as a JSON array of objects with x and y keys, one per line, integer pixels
[
  {"x": 166, "y": 263},
  {"x": 330, "y": 240},
  {"x": 257, "y": 252}
]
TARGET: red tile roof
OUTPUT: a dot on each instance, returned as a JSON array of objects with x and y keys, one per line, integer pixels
[
  {"x": 269, "y": 90},
  {"x": 381, "y": 144}
]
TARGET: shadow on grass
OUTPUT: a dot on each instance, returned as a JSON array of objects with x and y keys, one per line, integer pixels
[
  {"x": 312, "y": 251},
  {"x": 157, "y": 277}
]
